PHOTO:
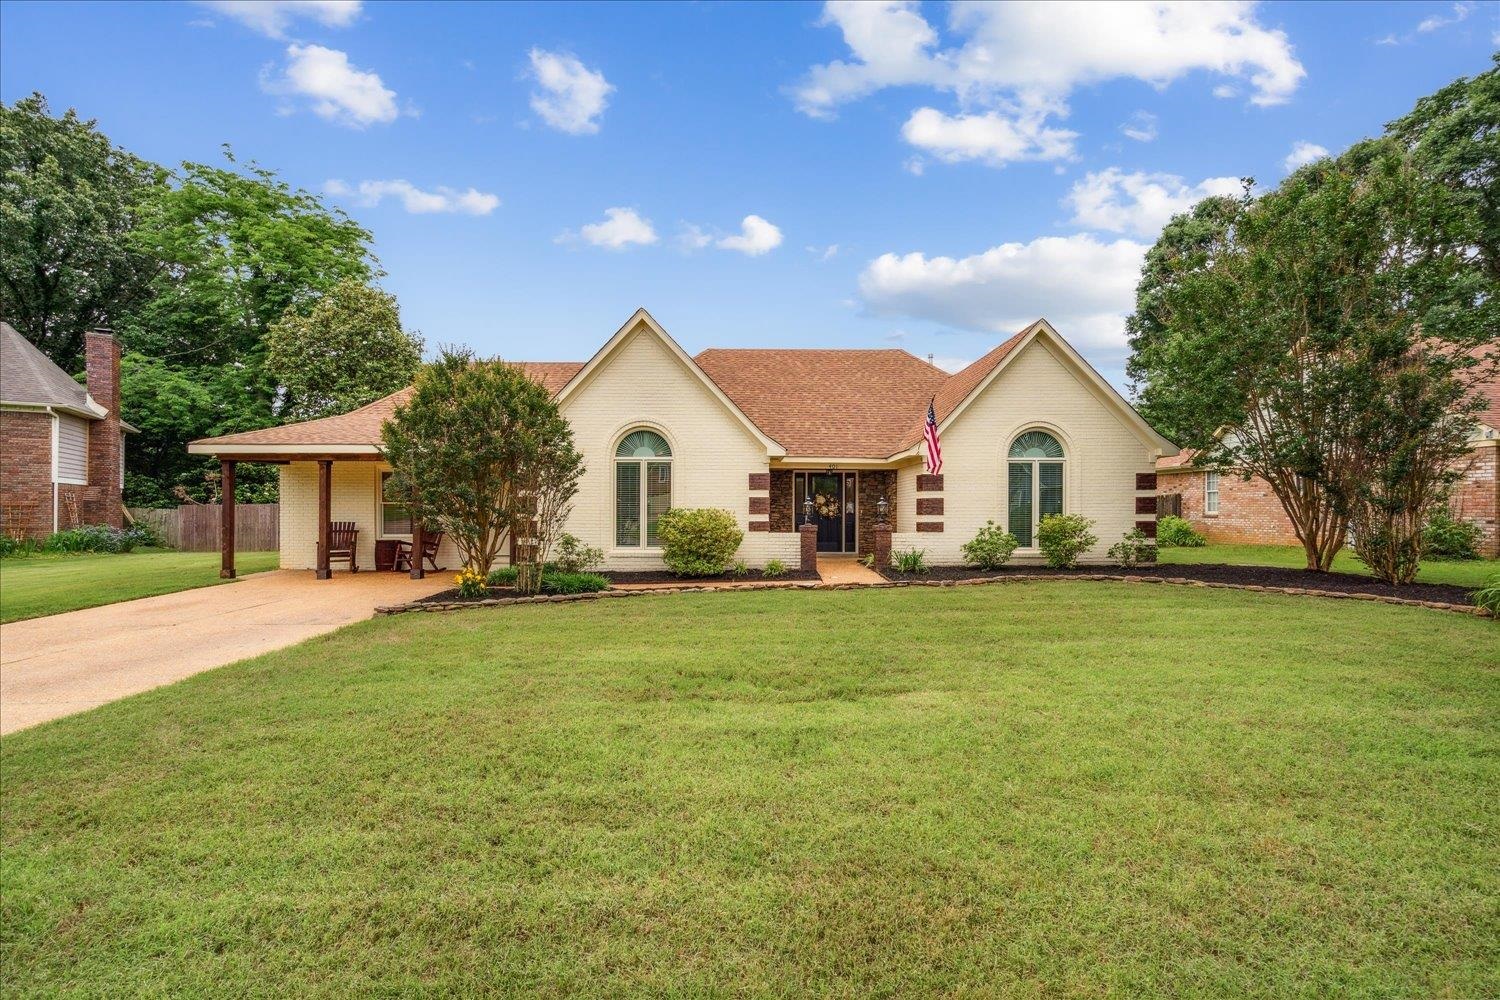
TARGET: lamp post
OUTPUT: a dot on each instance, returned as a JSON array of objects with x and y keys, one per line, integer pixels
[
  {"x": 882, "y": 509},
  {"x": 807, "y": 510}
]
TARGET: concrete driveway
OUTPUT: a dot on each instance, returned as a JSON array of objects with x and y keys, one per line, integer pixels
[{"x": 55, "y": 666}]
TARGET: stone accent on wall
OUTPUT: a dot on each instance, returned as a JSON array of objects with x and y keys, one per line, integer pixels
[
  {"x": 760, "y": 526},
  {"x": 1145, "y": 481},
  {"x": 783, "y": 511},
  {"x": 1145, "y": 505},
  {"x": 760, "y": 480},
  {"x": 929, "y": 505},
  {"x": 931, "y": 526},
  {"x": 873, "y": 485},
  {"x": 929, "y": 484},
  {"x": 25, "y": 473},
  {"x": 1147, "y": 528},
  {"x": 760, "y": 505}
]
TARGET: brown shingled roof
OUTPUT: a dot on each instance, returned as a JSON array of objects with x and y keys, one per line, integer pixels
[
  {"x": 826, "y": 403},
  {"x": 362, "y": 426}
]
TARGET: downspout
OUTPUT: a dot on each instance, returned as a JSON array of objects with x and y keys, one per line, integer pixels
[{"x": 53, "y": 414}]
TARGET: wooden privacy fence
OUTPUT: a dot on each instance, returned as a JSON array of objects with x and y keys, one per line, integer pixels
[
  {"x": 1169, "y": 503},
  {"x": 195, "y": 527}
]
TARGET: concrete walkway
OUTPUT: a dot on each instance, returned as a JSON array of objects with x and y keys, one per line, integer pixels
[
  {"x": 55, "y": 666},
  {"x": 846, "y": 569}
]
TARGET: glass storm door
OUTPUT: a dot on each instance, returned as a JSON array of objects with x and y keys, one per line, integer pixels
[{"x": 833, "y": 507}]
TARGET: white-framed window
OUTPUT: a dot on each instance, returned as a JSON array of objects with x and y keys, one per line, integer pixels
[
  {"x": 1210, "y": 493},
  {"x": 1034, "y": 484},
  {"x": 395, "y": 519},
  {"x": 643, "y": 487}
]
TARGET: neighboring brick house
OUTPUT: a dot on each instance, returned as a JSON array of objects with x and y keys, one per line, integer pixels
[
  {"x": 62, "y": 449},
  {"x": 1228, "y": 508}
]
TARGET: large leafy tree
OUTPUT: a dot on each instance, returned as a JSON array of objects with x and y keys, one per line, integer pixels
[
  {"x": 346, "y": 351},
  {"x": 1324, "y": 338},
  {"x": 481, "y": 453},
  {"x": 68, "y": 201},
  {"x": 239, "y": 250}
]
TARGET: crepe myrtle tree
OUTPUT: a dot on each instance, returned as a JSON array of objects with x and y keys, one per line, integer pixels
[
  {"x": 1291, "y": 336},
  {"x": 481, "y": 453}
]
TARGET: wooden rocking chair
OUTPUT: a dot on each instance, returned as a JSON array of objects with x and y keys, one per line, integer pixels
[
  {"x": 343, "y": 544},
  {"x": 430, "y": 545}
]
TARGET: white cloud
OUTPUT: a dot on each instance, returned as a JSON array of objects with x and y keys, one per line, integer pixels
[
  {"x": 414, "y": 199},
  {"x": 1084, "y": 286},
  {"x": 824, "y": 253},
  {"x": 1138, "y": 203},
  {"x": 621, "y": 228},
  {"x": 1460, "y": 11},
  {"x": 273, "y": 17},
  {"x": 1140, "y": 126},
  {"x": 991, "y": 137},
  {"x": 756, "y": 237},
  {"x": 335, "y": 89},
  {"x": 691, "y": 237},
  {"x": 1224, "y": 92},
  {"x": 572, "y": 96},
  {"x": 1303, "y": 153},
  {"x": 1037, "y": 53}
]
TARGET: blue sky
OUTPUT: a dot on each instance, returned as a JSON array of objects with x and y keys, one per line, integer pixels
[{"x": 923, "y": 176}]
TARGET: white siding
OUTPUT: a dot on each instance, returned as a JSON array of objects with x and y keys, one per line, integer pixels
[
  {"x": 643, "y": 384},
  {"x": 1037, "y": 389},
  {"x": 72, "y": 449},
  {"x": 355, "y": 488}
]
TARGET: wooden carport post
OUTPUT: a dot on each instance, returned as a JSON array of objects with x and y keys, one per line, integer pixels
[
  {"x": 417, "y": 542},
  {"x": 325, "y": 503},
  {"x": 226, "y": 520}
]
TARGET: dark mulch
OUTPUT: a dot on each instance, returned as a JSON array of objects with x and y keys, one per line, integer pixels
[
  {"x": 752, "y": 576},
  {"x": 1255, "y": 576},
  {"x": 454, "y": 597}
]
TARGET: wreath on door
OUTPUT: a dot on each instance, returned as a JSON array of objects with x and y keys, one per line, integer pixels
[{"x": 826, "y": 506}]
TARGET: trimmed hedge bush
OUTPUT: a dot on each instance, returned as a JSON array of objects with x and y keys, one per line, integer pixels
[
  {"x": 698, "y": 541},
  {"x": 1063, "y": 538},
  {"x": 991, "y": 548},
  {"x": 1447, "y": 537},
  {"x": 1135, "y": 549},
  {"x": 1172, "y": 530}
]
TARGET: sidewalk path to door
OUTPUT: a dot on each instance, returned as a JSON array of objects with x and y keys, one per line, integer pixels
[{"x": 55, "y": 666}]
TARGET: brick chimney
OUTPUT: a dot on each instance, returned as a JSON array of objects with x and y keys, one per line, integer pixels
[{"x": 101, "y": 357}]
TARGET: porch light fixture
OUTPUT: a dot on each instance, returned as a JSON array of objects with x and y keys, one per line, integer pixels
[
  {"x": 881, "y": 510},
  {"x": 807, "y": 510}
]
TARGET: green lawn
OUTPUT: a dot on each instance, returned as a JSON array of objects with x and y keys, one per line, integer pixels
[
  {"x": 47, "y": 584},
  {"x": 1470, "y": 573},
  {"x": 1053, "y": 788}
]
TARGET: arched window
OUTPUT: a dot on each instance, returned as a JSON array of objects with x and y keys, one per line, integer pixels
[
  {"x": 1035, "y": 487},
  {"x": 643, "y": 482}
]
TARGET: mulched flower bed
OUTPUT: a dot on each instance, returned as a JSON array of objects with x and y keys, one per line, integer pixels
[
  {"x": 752, "y": 576},
  {"x": 454, "y": 597},
  {"x": 1243, "y": 576}
]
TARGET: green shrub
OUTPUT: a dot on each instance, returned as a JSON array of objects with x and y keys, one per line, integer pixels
[
  {"x": 560, "y": 582},
  {"x": 572, "y": 556},
  {"x": 1135, "y": 549},
  {"x": 991, "y": 548},
  {"x": 1063, "y": 538},
  {"x": 1448, "y": 537},
  {"x": 11, "y": 546},
  {"x": 698, "y": 542},
  {"x": 1175, "y": 531},
  {"x": 739, "y": 569},
  {"x": 1488, "y": 598},
  {"x": 774, "y": 568},
  {"x": 99, "y": 538},
  {"x": 470, "y": 582},
  {"x": 909, "y": 560},
  {"x": 504, "y": 576}
]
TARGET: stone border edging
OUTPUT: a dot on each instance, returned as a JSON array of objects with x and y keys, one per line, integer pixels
[{"x": 498, "y": 602}]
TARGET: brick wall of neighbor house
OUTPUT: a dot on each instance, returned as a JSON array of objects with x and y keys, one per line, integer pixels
[
  {"x": 1477, "y": 498},
  {"x": 99, "y": 502},
  {"x": 25, "y": 473},
  {"x": 1249, "y": 513},
  {"x": 783, "y": 506},
  {"x": 873, "y": 485}
]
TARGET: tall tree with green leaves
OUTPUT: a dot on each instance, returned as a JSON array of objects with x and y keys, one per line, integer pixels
[
  {"x": 1272, "y": 338},
  {"x": 346, "y": 351},
  {"x": 481, "y": 453},
  {"x": 69, "y": 199}
]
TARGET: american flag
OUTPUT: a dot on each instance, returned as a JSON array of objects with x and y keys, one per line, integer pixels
[{"x": 930, "y": 435}]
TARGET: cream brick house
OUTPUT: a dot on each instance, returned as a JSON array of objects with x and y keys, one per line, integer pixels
[{"x": 779, "y": 438}]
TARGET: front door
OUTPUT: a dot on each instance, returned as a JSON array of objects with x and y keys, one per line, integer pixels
[{"x": 833, "y": 507}]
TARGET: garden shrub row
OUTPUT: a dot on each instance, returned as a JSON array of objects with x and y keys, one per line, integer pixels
[{"x": 87, "y": 538}]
